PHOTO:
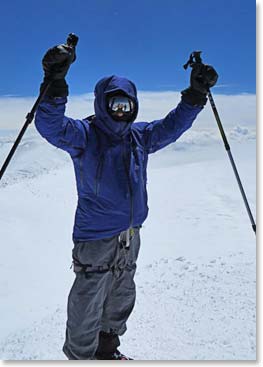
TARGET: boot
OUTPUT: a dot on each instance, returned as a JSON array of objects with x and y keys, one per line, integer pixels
[
  {"x": 117, "y": 356},
  {"x": 107, "y": 349}
]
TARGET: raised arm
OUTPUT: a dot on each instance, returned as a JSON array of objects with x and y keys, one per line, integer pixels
[
  {"x": 63, "y": 132},
  {"x": 158, "y": 134}
]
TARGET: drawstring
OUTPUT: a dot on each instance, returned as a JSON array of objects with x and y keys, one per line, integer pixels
[
  {"x": 128, "y": 238},
  {"x": 125, "y": 242}
]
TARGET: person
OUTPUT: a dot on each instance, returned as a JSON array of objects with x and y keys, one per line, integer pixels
[{"x": 110, "y": 153}]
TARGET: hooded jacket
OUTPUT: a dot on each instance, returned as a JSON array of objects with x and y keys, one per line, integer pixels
[{"x": 110, "y": 158}]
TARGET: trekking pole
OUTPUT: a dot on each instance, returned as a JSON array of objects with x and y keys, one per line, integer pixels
[
  {"x": 195, "y": 58},
  {"x": 71, "y": 41}
]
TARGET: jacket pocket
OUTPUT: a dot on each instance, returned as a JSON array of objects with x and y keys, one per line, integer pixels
[
  {"x": 81, "y": 172},
  {"x": 96, "y": 253},
  {"x": 140, "y": 165},
  {"x": 98, "y": 175}
]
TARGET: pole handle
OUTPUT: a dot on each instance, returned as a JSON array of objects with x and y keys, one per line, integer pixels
[
  {"x": 72, "y": 40},
  {"x": 195, "y": 58}
]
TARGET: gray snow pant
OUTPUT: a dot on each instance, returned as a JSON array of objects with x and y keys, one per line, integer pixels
[{"x": 102, "y": 296}]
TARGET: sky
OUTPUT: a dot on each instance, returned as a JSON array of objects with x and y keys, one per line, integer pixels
[{"x": 146, "y": 41}]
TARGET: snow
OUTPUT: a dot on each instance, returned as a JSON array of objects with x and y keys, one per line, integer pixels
[{"x": 196, "y": 279}]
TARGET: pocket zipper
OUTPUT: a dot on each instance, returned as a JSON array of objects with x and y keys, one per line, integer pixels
[
  {"x": 81, "y": 172},
  {"x": 98, "y": 175}
]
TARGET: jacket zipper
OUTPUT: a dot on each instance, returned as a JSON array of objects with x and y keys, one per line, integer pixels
[{"x": 129, "y": 186}]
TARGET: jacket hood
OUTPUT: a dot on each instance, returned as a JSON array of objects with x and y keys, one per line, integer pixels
[{"x": 116, "y": 130}]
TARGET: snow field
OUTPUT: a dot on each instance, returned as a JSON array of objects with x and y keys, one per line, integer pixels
[
  {"x": 196, "y": 278},
  {"x": 184, "y": 311}
]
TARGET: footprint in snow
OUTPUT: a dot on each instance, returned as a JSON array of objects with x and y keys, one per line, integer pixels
[{"x": 181, "y": 258}]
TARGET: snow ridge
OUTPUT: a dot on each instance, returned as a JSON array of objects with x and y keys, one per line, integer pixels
[{"x": 34, "y": 156}]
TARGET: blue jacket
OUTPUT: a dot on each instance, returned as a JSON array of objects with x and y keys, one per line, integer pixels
[{"x": 110, "y": 158}]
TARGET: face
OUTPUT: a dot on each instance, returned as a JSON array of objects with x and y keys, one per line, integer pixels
[{"x": 120, "y": 107}]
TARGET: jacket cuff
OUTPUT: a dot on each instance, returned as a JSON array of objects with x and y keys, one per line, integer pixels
[
  {"x": 193, "y": 97},
  {"x": 58, "y": 88},
  {"x": 54, "y": 100}
]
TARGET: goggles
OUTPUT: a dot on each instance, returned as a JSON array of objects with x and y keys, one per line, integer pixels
[{"x": 121, "y": 107}]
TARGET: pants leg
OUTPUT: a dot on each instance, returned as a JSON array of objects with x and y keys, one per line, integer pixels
[
  {"x": 121, "y": 298},
  {"x": 87, "y": 297}
]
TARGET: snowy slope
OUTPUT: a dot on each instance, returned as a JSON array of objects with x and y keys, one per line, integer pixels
[
  {"x": 184, "y": 310},
  {"x": 196, "y": 277}
]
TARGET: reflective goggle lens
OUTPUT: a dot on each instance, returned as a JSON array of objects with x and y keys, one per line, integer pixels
[{"x": 120, "y": 104}]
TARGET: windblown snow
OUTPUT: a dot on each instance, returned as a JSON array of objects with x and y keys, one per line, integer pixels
[{"x": 196, "y": 279}]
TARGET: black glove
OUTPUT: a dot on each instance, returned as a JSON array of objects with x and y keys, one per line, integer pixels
[
  {"x": 202, "y": 78},
  {"x": 56, "y": 63}
]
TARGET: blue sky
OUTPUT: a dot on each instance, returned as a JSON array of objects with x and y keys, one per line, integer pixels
[{"x": 146, "y": 41}]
